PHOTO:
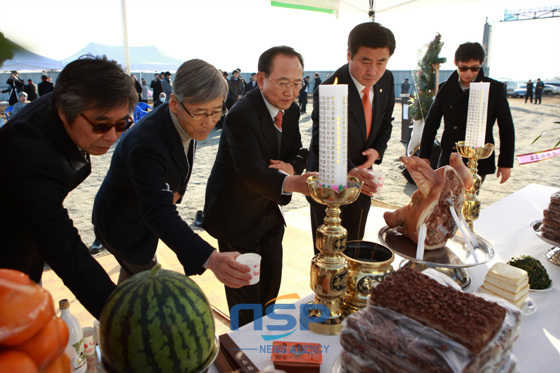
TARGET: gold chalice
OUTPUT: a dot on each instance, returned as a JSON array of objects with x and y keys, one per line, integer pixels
[
  {"x": 471, "y": 208},
  {"x": 329, "y": 272}
]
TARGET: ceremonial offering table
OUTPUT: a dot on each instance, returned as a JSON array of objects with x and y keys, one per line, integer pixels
[{"x": 506, "y": 224}]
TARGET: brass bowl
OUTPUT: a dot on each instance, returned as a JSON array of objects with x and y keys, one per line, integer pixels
[
  {"x": 331, "y": 197},
  {"x": 369, "y": 263},
  {"x": 481, "y": 152}
]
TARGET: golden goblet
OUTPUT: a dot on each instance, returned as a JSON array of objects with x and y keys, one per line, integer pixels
[
  {"x": 471, "y": 208},
  {"x": 329, "y": 272}
]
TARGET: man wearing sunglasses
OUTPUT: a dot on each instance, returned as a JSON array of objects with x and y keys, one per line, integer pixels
[
  {"x": 45, "y": 152},
  {"x": 451, "y": 103},
  {"x": 135, "y": 206},
  {"x": 258, "y": 166}
]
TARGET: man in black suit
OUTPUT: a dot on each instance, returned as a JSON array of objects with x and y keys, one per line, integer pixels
[
  {"x": 317, "y": 81},
  {"x": 15, "y": 86},
  {"x": 155, "y": 85},
  {"x": 252, "y": 83},
  {"x": 258, "y": 166},
  {"x": 370, "y": 85},
  {"x": 150, "y": 169},
  {"x": 302, "y": 99},
  {"x": 452, "y": 103},
  {"x": 31, "y": 90},
  {"x": 529, "y": 91},
  {"x": 45, "y": 153},
  {"x": 45, "y": 86}
]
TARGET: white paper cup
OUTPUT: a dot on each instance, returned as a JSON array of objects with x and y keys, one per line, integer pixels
[
  {"x": 89, "y": 340},
  {"x": 254, "y": 262},
  {"x": 378, "y": 179}
]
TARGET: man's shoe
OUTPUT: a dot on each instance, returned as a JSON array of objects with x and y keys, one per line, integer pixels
[
  {"x": 96, "y": 247},
  {"x": 199, "y": 217}
]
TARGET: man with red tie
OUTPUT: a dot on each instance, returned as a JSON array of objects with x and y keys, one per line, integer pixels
[
  {"x": 258, "y": 165},
  {"x": 371, "y": 98}
]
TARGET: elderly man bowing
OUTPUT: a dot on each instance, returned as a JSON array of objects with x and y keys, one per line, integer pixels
[
  {"x": 149, "y": 172},
  {"x": 45, "y": 152}
]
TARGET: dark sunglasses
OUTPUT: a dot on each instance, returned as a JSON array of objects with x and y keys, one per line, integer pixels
[
  {"x": 474, "y": 69},
  {"x": 120, "y": 126}
]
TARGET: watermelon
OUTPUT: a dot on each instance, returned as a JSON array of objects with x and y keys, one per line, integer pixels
[{"x": 157, "y": 321}]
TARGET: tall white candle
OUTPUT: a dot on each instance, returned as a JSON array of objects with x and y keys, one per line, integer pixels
[
  {"x": 333, "y": 135},
  {"x": 477, "y": 114}
]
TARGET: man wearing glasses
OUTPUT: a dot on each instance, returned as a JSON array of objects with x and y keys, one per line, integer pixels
[
  {"x": 258, "y": 166},
  {"x": 45, "y": 152},
  {"x": 451, "y": 103},
  {"x": 151, "y": 166}
]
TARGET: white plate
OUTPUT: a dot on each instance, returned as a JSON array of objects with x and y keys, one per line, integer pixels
[
  {"x": 529, "y": 306},
  {"x": 542, "y": 290},
  {"x": 536, "y": 227}
]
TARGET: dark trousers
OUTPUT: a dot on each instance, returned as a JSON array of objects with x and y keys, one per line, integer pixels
[
  {"x": 303, "y": 102},
  {"x": 354, "y": 218},
  {"x": 538, "y": 97},
  {"x": 127, "y": 269},
  {"x": 269, "y": 247},
  {"x": 529, "y": 95}
]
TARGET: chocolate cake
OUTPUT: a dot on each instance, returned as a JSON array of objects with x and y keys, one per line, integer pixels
[
  {"x": 551, "y": 219},
  {"x": 413, "y": 323}
]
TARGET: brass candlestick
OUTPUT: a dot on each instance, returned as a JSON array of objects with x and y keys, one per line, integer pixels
[
  {"x": 471, "y": 207},
  {"x": 329, "y": 272}
]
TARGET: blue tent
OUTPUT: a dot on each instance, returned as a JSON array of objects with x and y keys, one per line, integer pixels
[
  {"x": 146, "y": 59},
  {"x": 25, "y": 60}
]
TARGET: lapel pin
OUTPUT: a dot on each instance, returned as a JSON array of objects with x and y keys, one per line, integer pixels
[{"x": 381, "y": 90}]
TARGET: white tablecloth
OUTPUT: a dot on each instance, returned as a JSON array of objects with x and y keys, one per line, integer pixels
[{"x": 506, "y": 225}]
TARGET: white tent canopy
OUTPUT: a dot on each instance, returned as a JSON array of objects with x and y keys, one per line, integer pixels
[
  {"x": 146, "y": 59},
  {"x": 25, "y": 60}
]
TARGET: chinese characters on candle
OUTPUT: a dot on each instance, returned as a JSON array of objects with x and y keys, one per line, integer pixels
[
  {"x": 477, "y": 114},
  {"x": 333, "y": 136}
]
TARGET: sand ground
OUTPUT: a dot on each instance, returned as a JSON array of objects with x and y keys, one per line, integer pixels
[{"x": 530, "y": 120}]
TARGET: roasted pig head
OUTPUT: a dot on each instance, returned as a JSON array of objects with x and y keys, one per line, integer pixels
[{"x": 430, "y": 203}]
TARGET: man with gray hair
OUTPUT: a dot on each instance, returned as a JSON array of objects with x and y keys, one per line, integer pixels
[{"x": 135, "y": 206}]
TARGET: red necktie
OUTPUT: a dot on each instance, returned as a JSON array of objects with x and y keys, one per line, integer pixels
[
  {"x": 367, "y": 109},
  {"x": 278, "y": 120}
]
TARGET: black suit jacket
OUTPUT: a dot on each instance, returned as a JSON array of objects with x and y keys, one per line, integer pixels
[
  {"x": 45, "y": 87},
  {"x": 40, "y": 166},
  {"x": 452, "y": 104},
  {"x": 381, "y": 126},
  {"x": 241, "y": 186},
  {"x": 134, "y": 206}
]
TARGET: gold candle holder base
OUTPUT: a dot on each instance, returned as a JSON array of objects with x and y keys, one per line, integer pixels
[
  {"x": 329, "y": 272},
  {"x": 471, "y": 207}
]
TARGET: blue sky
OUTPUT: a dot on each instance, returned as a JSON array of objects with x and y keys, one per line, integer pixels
[{"x": 231, "y": 34}]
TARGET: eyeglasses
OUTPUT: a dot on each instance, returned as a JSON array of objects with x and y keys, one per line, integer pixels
[
  {"x": 120, "y": 126},
  {"x": 286, "y": 85},
  {"x": 201, "y": 116},
  {"x": 474, "y": 69}
]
